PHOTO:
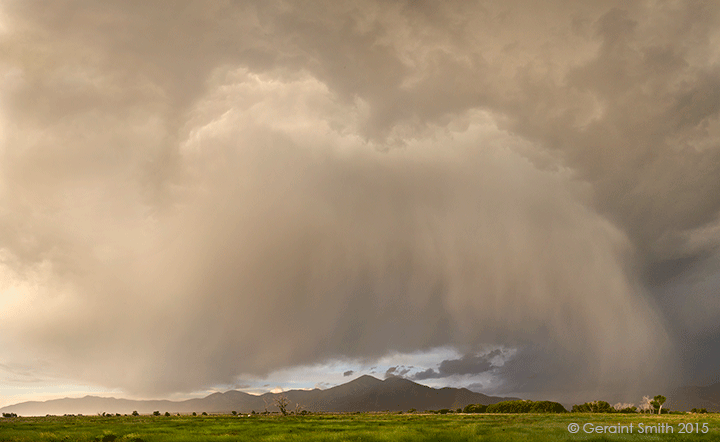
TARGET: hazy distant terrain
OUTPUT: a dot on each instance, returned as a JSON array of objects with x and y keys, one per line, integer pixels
[
  {"x": 687, "y": 398},
  {"x": 365, "y": 393}
]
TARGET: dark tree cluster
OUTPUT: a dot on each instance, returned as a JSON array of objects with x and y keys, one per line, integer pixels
[
  {"x": 521, "y": 406},
  {"x": 593, "y": 407},
  {"x": 475, "y": 408}
]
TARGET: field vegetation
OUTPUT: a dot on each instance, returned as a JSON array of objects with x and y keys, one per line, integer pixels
[{"x": 345, "y": 427}]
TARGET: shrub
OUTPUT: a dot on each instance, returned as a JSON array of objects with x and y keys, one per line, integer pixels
[
  {"x": 444, "y": 411},
  {"x": 167, "y": 413},
  {"x": 135, "y": 413},
  {"x": 475, "y": 408},
  {"x": 593, "y": 407},
  {"x": 204, "y": 414},
  {"x": 694, "y": 410},
  {"x": 9, "y": 415},
  {"x": 234, "y": 413},
  {"x": 547, "y": 407},
  {"x": 194, "y": 414},
  {"x": 412, "y": 410},
  {"x": 526, "y": 407},
  {"x": 156, "y": 413}
]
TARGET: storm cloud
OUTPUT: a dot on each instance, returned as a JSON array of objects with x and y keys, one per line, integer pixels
[
  {"x": 469, "y": 364},
  {"x": 193, "y": 193}
]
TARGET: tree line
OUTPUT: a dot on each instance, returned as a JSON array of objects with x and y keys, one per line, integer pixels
[{"x": 647, "y": 405}]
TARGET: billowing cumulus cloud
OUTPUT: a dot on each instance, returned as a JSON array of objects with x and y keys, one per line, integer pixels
[{"x": 190, "y": 194}]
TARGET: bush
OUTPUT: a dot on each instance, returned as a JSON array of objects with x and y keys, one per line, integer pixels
[
  {"x": 475, "y": 408},
  {"x": 135, "y": 413},
  {"x": 167, "y": 413},
  {"x": 694, "y": 410},
  {"x": 444, "y": 411},
  {"x": 547, "y": 407},
  {"x": 204, "y": 414},
  {"x": 234, "y": 413},
  {"x": 194, "y": 414},
  {"x": 156, "y": 413},
  {"x": 526, "y": 407},
  {"x": 9, "y": 415},
  {"x": 593, "y": 407}
]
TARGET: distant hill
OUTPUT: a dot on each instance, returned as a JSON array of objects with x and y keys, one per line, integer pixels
[
  {"x": 687, "y": 398},
  {"x": 365, "y": 393}
]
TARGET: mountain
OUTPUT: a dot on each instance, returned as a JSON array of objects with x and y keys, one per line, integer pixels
[
  {"x": 687, "y": 398},
  {"x": 365, "y": 393},
  {"x": 395, "y": 394}
]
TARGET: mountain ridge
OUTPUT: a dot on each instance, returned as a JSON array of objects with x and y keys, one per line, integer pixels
[{"x": 364, "y": 394}]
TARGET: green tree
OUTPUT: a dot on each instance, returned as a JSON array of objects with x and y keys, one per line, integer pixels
[
  {"x": 475, "y": 408},
  {"x": 521, "y": 406},
  {"x": 593, "y": 407},
  {"x": 658, "y": 402}
]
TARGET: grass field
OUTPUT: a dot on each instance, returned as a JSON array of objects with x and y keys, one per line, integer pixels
[{"x": 359, "y": 427}]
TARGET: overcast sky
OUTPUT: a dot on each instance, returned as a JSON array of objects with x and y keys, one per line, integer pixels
[{"x": 519, "y": 197}]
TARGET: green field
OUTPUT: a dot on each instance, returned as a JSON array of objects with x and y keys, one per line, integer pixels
[{"x": 357, "y": 427}]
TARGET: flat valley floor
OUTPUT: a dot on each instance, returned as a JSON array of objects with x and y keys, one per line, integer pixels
[{"x": 365, "y": 427}]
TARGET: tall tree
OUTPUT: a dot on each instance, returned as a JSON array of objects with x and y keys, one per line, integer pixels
[
  {"x": 646, "y": 404},
  {"x": 282, "y": 402},
  {"x": 658, "y": 402}
]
